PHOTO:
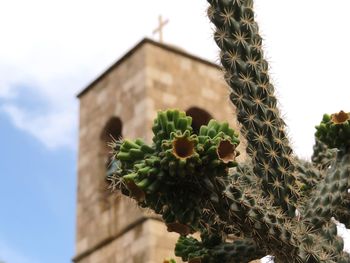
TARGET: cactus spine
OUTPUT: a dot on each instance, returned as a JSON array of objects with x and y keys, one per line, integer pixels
[
  {"x": 273, "y": 204},
  {"x": 246, "y": 72}
]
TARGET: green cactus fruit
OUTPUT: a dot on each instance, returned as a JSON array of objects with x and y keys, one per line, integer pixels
[
  {"x": 334, "y": 130},
  {"x": 127, "y": 145},
  {"x": 131, "y": 151},
  {"x": 168, "y": 122},
  {"x": 215, "y": 129},
  {"x": 179, "y": 154},
  {"x": 217, "y": 145}
]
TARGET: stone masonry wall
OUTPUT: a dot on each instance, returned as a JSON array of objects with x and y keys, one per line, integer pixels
[
  {"x": 100, "y": 216},
  {"x": 110, "y": 228},
  {"x": 174, "y": 81}
]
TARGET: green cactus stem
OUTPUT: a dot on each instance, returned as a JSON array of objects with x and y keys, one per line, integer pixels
[
  {"x": 309, "y": 177},
  {"x": 334, "y": 130},
  {"x": 246, "y": 210},
  {"x": 160, "y": 176},
  {"x": 342, "y": 213},
  {"x": 231, "y": 203},
  {"x": 236, "y": 251},
  {"x": 327, "y": 196},
  {"x": 322, "y": 156},
  {"x": 246, "y": 72}
]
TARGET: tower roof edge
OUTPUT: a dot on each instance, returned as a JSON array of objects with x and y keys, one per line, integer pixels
[{"x": 144, "y": 41}]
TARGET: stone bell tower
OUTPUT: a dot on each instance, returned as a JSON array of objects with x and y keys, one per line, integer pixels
[{"x": 123, "y": 101}]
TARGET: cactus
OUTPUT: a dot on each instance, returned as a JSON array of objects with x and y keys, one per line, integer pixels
[
  {"x": 334, "y": 130},
  {"x": 273, "y": 203},
  {"x": 161, "y": 176}
]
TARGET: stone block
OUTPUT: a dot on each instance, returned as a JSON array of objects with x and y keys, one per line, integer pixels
[{"x": 149, "y": 78}]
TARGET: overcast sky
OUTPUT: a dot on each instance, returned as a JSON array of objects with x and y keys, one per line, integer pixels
[{"x": 50, "y": 50}]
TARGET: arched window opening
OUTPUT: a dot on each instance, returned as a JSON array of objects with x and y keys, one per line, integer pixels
[
  {"x": 111, "y": 131},
  {"x": 199, "y": 117}
]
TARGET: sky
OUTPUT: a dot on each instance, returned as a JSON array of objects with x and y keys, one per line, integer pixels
[{"x": 50, "y": 50}]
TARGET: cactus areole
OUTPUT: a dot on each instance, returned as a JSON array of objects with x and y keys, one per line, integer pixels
[{"x": 242, "y": 211}]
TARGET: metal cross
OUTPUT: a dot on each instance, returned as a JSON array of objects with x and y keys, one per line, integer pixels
[{"x": 159, "y": 29}]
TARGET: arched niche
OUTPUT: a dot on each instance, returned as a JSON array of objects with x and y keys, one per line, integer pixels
[
  {"x": 111, "y": 131},
  {"x": 199, "y": 117}
]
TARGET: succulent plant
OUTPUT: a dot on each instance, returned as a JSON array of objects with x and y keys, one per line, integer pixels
[
  {"x": 334, "y": 130},
  {"x": 160, "y": 176},
  {"x": 273, "y": 203}
]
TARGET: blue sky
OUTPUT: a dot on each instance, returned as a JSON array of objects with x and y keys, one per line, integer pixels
[
  {"x": 51, "y": 49},
  {"x": 37, "y": 197}
]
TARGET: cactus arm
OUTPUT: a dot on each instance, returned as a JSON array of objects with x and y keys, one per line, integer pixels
[
  {"x": 342, "y": 213},
  {"x": 341, "y": 210},
  {"x": 322, "y": 156},
  {"x": 253, "y": 215},
  {"x": 330, "y": 199},
  {"x": 332, "y": 150},
  {"x": 161, "y": 176},
  {"x": 334, "y": 131},
  {"x": 308, "y": 178},
  {"x": 287, "y": 240},
  {"x": 246, "y": 72},
  {"x": 328, "y": 194},
  {"x": 237, "y": 251},
  {"x": 194, "y": 183}
]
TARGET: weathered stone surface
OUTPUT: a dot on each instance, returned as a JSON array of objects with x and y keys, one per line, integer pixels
[{"x": 110, "y": 228}]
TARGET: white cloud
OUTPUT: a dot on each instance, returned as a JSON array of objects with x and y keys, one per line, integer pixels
[
  {"x": 9, "y": 254},
  {"x": 55, "y": 48},
  {"x": 46, "y": 109},
  {"x": 60, "y": 46},
  {"x": 5, "y": 92},
  {"x": 52, "y": 129}
]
